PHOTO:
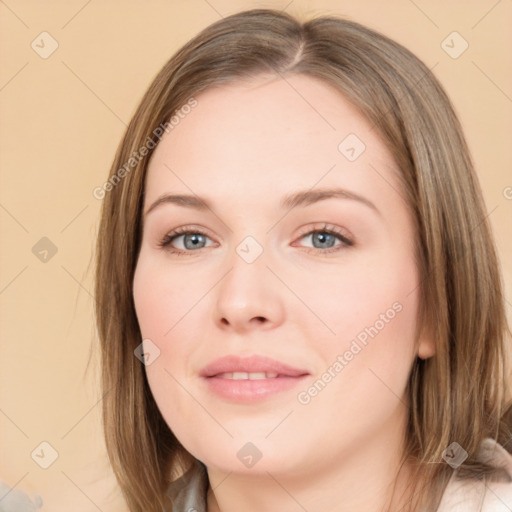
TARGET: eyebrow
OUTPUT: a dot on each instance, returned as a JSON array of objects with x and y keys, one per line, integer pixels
[{"x": 300, "y": 198}]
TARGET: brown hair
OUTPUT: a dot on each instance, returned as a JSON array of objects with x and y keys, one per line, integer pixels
[{"x": 460, "y": 394}]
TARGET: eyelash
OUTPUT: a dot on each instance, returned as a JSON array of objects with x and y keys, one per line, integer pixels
[{"x": 166, "y": 241}]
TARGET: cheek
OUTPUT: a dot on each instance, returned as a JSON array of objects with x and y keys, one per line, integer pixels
[
  {"x": 165, "y": 304},
  {"x": 162, "y": 298},
  {"x": 376, "y": 295},
  {"x": 366, "y": 369},
  {"x": 371, "y": 313}
]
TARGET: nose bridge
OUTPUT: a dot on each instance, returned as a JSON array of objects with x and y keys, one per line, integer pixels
[
  {"x": 246, "y": 291},
  {"x": 247, "y": 277}
]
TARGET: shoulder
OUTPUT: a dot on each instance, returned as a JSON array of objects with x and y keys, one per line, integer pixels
[
  {"x": 15, "y": 500},
  {"x": 498, "y": 497},
  {"x": 479, "y": 496}
]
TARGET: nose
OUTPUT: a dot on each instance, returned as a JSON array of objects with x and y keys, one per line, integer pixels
[{"x": 249, "y": 296}]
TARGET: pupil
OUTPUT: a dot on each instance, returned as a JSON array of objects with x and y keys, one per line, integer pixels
[
  {"x": 323, "y": 237},
  {"x": 194, "y": 238}
]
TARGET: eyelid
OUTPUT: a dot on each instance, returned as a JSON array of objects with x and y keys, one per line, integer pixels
[
  {"x": 328, "y": 228},
  {"x": 181, "y": 231}
]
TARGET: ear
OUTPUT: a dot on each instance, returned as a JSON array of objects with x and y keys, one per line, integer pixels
[
  {"x": 426, "y": 349},
  {"x": 426, "y": 345}
]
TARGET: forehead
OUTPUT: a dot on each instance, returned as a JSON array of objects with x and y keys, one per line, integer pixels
[{"x": 268, "y": 134}]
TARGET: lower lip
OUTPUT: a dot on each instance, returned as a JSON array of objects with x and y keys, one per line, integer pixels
[{"x": 247, "y": 391}]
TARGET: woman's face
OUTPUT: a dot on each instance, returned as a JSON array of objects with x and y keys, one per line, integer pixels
[{"x": 323, "y": 282}]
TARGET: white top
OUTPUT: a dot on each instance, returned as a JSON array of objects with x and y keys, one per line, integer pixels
[{"x": 472, "y": 496}]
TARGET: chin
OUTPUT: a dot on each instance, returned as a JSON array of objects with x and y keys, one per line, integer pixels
[{"x": 257, "y": 457}]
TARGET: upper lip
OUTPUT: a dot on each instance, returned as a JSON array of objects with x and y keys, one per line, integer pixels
[{"x": 252, "y": 364}]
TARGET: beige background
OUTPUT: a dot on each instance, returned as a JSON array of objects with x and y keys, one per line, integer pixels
[{"x": 62, "y": 119}]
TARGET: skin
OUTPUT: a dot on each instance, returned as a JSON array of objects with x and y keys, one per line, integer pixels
[{"x": 244, "y": 147}]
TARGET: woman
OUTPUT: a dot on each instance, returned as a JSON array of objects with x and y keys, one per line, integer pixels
[{"x": 246, "y": 364}]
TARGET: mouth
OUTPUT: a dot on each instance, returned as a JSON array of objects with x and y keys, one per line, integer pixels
[
  {"x": 247, "y": 375},
  {"x": 250, "y": 379}
]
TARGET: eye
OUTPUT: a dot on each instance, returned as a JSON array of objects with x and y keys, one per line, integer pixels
[
  {"x": 193, "y": 239},
  {"x": 324, "y": 238}
]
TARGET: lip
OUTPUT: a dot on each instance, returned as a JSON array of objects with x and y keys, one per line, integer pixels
[
  {"x": 247, "y": 390},
  {"x": 255, "y": 363}
]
